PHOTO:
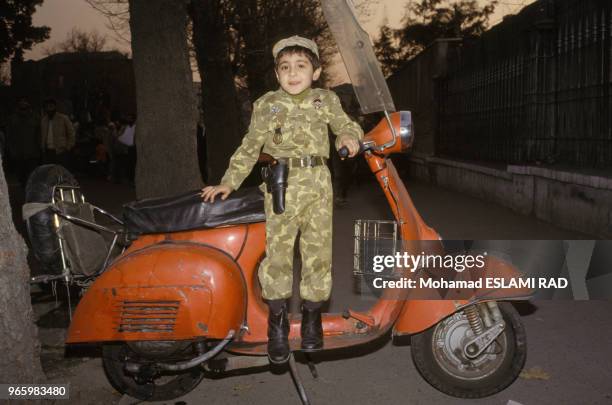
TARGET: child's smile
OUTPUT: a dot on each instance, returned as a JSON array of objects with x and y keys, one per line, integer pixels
[{"x": 295, "y": 73}]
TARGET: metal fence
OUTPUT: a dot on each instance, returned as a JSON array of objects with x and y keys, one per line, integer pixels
[{"x": 535, "y": 88}]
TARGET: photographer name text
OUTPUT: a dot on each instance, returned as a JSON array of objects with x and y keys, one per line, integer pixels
[{"x": 492, "y": 283}]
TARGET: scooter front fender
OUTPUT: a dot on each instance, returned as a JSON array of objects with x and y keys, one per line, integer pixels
[
  {"x": 166, "y": 291},
  {"x": 418, "y": 315}
]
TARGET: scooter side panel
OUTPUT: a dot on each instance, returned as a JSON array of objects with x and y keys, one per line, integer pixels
[
  {"x": 167, "y": 291},
  {"x": 229, "y": 239},
  {"x": 249, "y": 260}
]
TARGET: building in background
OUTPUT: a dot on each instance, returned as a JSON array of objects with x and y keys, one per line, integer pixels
[{"x": 88, "y": 86}]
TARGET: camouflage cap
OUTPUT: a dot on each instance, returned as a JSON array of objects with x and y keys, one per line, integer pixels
[{"x": 293, "y": 41}]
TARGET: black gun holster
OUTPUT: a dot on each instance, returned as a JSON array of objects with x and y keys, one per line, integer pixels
[{"x": 275, "y": 176}]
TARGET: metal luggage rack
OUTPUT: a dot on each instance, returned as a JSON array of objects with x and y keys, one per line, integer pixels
[
  {"x": 73, "y": 194},
  {"x": 373, "y": 238}
]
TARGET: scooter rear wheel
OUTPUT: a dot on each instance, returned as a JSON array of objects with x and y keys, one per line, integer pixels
[
  {"x": 437, "y": 354},
  {"x": 166, "y": 387}
]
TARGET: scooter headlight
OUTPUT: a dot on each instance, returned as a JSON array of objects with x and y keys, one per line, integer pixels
[{"x": 406, "y": 132}]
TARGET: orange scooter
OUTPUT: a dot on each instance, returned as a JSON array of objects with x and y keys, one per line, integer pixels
[
  {"x": 181, "y": 301},
  {"x": 176, "y": 304}
]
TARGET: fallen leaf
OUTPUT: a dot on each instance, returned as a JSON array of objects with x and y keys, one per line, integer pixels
[{"x": 534, "y": 373}]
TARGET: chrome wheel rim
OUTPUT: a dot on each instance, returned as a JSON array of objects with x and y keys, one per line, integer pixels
[{"x": 449, "y": 338}]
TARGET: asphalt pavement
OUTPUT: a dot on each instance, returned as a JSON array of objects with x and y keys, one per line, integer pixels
[{"x": 569, "y": 351}]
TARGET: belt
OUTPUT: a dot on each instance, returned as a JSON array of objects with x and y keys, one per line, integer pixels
[{"x": 304, "y": 161}]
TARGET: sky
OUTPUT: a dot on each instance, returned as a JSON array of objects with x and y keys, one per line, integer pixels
[{"x": 64, "y": 15}]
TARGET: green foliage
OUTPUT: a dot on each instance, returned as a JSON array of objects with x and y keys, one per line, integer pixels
[
  {"x": 388, "y": 53},
  {"x": 427, "y": 20},
  {"x": 247, "y": 29},
  {"x": 17, "y": 33},
  {"x": 261, "y": 23}
]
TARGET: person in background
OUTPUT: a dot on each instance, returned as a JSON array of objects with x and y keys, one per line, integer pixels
[
  {"x": 57, "y": 135},
  {"x": 109, "y": 137},
  {"x": 23, "y": 140},
  {"x": 344, "y": 170},
  {"x": 125, "y": 150}
]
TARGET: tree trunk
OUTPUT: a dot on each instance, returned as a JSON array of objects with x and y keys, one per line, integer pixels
[
  {"x": 167, "y": 107},
  {"x": 20, "y": 359},
  {"x": 219, "y": 98}
]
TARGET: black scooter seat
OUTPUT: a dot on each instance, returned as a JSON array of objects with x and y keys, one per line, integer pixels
[{"x": 187, "y": 211}]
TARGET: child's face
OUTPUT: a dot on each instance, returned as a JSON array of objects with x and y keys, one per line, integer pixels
[{"x": 295, "y": 73}]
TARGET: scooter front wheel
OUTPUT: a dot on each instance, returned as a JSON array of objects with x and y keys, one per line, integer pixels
[
  {"x": 439, "y": 356},
  {"x": 164, "y": 387}
]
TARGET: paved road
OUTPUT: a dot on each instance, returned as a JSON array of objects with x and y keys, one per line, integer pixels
[{"x": 569, "y": 341}]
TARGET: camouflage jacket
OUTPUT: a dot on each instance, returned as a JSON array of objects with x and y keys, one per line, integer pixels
[{"x": 286, "y": 126}]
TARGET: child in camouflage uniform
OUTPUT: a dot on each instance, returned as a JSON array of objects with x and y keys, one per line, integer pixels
[{"x": 291, "y": 123}]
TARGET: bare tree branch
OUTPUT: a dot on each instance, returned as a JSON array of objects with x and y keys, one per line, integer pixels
[
  {"x": 117, "y": 13},
  {"x": 78, "y": 41}
]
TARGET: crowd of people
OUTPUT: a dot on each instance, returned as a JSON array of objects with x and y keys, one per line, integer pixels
[{"x": 101, "y": 147}]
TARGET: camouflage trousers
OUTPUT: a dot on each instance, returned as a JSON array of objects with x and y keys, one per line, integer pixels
[{"x": 308, "y": 209}]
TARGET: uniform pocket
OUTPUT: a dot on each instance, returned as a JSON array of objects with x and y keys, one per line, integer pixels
[{"x": 299, "y": 136}]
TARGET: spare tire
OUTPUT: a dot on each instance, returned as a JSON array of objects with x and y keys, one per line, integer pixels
[{"x": 41, "y": 232}]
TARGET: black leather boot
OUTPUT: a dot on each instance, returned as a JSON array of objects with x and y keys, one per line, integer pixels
[
  {"x": 278, "y": 332},
  {"x": 312, "y": 330}
]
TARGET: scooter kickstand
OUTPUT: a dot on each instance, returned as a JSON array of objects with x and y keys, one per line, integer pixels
[
  {"x": 311, "y": 366},
  {"x": 296, "y": 379}
]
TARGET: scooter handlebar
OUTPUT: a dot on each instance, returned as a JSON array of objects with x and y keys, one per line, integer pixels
[{"x": 343, "y": 152}]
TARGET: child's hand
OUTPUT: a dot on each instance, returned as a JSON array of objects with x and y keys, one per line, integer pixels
[
  {"x": 351, "y": 144},
  {"x": 209, "y": 192}
]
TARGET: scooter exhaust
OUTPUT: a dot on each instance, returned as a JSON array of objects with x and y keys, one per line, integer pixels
[{"x": 137, "y": 368}]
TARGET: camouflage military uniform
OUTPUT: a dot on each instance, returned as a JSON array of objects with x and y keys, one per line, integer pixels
[{"x": 295, "y": 126}]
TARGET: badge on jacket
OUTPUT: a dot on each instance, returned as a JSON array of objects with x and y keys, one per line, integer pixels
[{"x": 278, "y": 136}]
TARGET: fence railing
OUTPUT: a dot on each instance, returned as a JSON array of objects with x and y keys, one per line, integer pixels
[{"x": 535, "y": 88}]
